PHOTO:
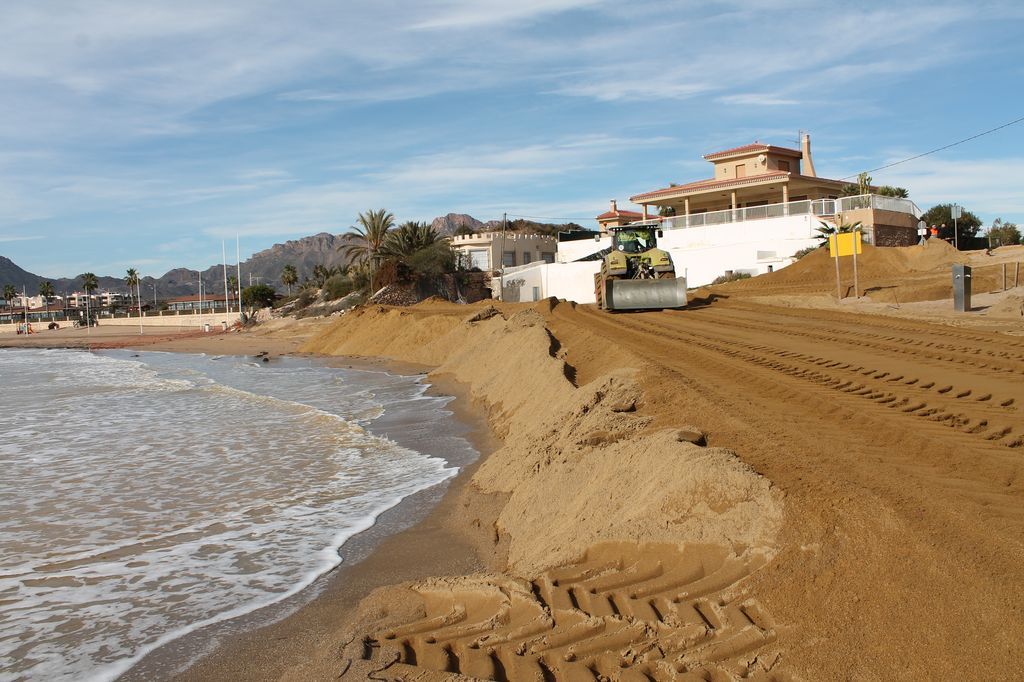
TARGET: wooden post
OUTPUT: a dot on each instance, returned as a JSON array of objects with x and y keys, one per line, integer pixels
[
  {"x": 1004, "y": 276},
  {"x": 1016, "y": 273},
  {"x": 839, "y": 291}
]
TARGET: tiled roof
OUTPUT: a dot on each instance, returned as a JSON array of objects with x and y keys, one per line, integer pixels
[
  {"x": 609, "y": 215},
  {"x": 754, "y": 147},
  {"x": 711, "y": 183}
]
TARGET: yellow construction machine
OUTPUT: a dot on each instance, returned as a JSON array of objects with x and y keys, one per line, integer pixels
[{"x": 635, "y": 274}]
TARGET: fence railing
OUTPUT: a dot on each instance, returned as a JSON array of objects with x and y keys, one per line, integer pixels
[
  {"x": 815, "y": 207},
  {"x": 877, "y": 201}
]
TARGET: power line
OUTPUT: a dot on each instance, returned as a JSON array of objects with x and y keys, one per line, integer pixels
[
  {"x": 933, "y": 151},
  {"x": 540, "y": 217}
]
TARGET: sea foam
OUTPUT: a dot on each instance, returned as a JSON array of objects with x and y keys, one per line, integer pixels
[{"x": 149, "y": 494}]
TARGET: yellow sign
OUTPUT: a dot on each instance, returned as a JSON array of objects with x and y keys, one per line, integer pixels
[{"x": 848, "y": 241}]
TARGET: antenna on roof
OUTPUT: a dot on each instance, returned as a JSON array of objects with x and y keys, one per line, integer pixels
[{"x": 799, "y": 136}]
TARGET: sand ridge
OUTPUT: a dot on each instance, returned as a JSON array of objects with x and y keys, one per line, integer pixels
[{"x": 581, "y": 463}]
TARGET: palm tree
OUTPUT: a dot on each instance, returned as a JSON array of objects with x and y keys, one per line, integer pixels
[
  {"x": 132, "y": 280},
  {"x": 289, "y": 276},
  {"x": 409, "y": 238},
  {"x": 90, "y": 283},
  {"x": 322, "y": 273},
  {"x": 46, "y": 291},
  {"x": 364, "y": 243},
  {"x": 828, "y": 229},
  {"x": 9, "y": 293},
  {"x": 232, "y": 288}
]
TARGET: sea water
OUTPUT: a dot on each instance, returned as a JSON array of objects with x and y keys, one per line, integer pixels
[{"x": 144, "y": 495}]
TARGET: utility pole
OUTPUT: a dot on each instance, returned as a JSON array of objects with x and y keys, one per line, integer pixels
[
  {"x": 501, "y": 256},
  {"x": 238, "y": 270},
  {"x": 224, "y": 259},
  {"x": 957, "y": 211}
]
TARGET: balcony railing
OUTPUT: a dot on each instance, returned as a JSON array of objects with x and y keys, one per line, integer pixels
[{"x": 816, "y": 207}]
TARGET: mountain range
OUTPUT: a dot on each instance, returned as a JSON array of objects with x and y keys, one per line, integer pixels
[{"x": 262, "y": 267}]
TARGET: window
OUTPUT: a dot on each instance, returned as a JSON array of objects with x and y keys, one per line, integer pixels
[
  {"x": 741, "y": 170},
  {"x": 526, "y": 257},
  {"x": 783, "y": 165},
  {"x": 480, "y": 258},
  {"x": 508, "y": 259},
  {"x": 536, "y": 293},
  {"x": 547, "y": 257}
]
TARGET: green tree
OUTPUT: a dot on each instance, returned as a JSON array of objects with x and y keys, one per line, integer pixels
[
  {"x": 9, "y": 293},
  {"x": 258, "y": 296},
  {"x": 289, "y": 276},
  {"x": 46, "y": 291},
  {"x": 364, "y": 242},
  {"x": 90, "y": 283},
  {"x": 1003, "y": 233},
  {"x": 967, "y": 224},
  {"x": 132, "y": 280}
]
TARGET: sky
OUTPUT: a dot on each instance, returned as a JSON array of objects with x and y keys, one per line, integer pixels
[{"x": 143, "y": 134}]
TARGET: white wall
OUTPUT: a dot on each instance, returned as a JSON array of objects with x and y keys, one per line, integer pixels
[
  {"x": 707, "y": 252},
  {"x": 571, "y": 281},
  {"x": 701, "y": 253}
]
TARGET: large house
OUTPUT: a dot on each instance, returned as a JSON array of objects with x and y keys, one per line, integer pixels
[
  {"x": 762, "y": 205},
  {"x": 757, "y": 181}
]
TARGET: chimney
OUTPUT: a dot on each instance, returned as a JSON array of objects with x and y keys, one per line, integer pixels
[
  {"x": 805, "y": 152},
  {"x": 615, "y": 208}
]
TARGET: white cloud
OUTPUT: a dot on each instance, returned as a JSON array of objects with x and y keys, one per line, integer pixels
[
  {"x": 19, "y": 238},
  {"x": 464, "y": 14},
  {"x": 987, "y": 187},
  {"x": 758, "y": 100}
]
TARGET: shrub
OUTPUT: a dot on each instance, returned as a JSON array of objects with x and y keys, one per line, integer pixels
[
  {"x": 337, "y": 286},
  {"x": 803, "y": 252},
  {"x": 732, "y": 277},
  {"x": 304, "y": 298}
]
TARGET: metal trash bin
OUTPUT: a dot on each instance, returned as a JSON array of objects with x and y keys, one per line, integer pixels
[
  {"x": 224, "y": 326},
  {"x": 206, "y": 327},
  {"x": 961, "y": 288}
]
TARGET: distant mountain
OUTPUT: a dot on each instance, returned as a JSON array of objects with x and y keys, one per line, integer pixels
[
  {"x": 448, "y": 224},
  {"x": 12, "y": 274},
  {"x": 264, "y": 267}
]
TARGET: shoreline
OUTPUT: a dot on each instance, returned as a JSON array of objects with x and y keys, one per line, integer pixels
[{"x": 410, "y": 541}]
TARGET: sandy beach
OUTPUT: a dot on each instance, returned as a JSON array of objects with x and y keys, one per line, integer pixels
[{"x": 737, "y": 490}]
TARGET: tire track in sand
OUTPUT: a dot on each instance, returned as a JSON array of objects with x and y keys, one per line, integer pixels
[{"x": 624, "y": 613}]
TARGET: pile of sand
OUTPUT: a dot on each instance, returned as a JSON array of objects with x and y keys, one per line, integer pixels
[
  {"x": 579, "y": 465},
  {"x": 889, "y": 275}
]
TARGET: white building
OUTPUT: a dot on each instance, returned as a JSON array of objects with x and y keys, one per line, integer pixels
[
  {"x": 490, "y": 251},
  {"x": 705, "y": 246}
]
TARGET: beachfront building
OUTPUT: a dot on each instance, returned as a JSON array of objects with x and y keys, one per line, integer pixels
[
  {"x": 109, "y": 299},
  {"x": 762, "y": 205},
  {"x": 78, "y": 298},
  {"x": 489, "y": 251},
  {"x": 761, "y": 181},
  {"x": 193, "y": 304}
]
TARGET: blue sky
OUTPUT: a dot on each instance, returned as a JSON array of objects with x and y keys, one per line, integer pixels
[{"x": 143, "y": 133}]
